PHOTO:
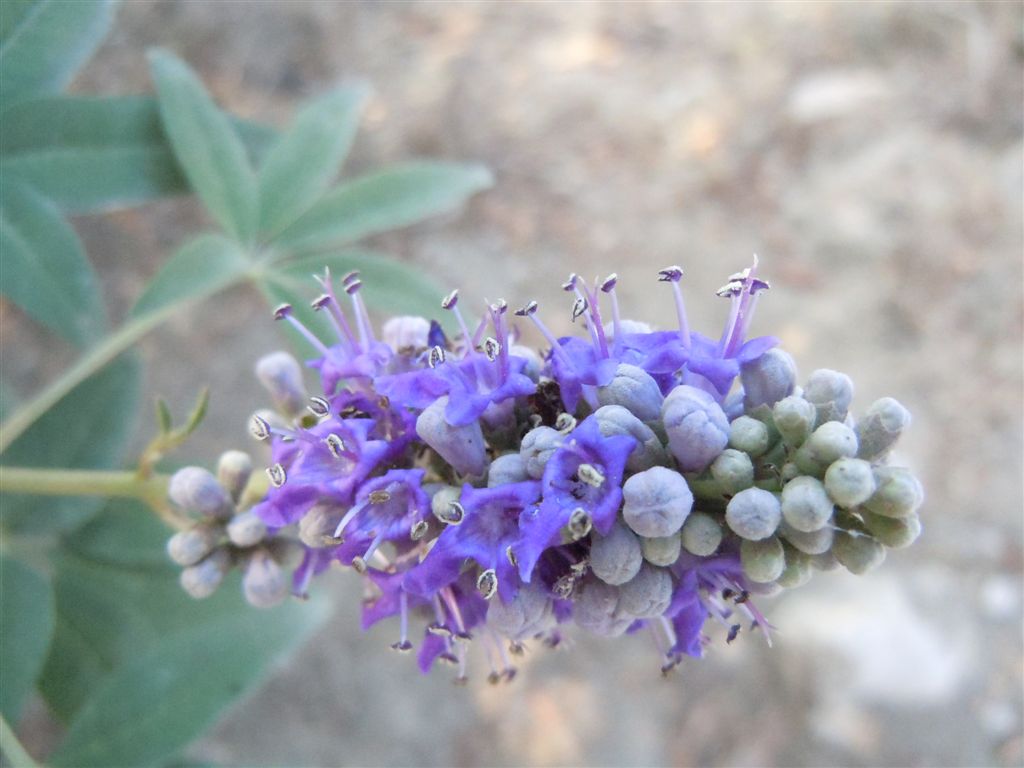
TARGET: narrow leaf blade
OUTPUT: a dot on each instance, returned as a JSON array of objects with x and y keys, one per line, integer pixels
[{"x": 27, "y": 620}]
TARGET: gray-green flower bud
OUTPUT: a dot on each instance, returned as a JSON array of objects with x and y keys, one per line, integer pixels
[
  {"x": 767, "y": 379},
  {"x": 749, "y": 435},
  {"x": 527, "y": 614},
  {"x": 634, "y": 389},
  {"x": 234, "y": 468},
  {"x": 649, "y": 452},
  {"x": 824, "y": 562},
  {"x": 661, "y": 550},
  {"x": 462, "y": 447},
  {"x": 246, "y": 529},
  {"x": 753, "y": 514},
  {"x": 537, "y": 447},
  {"x": 797, "y": 571},
  {"x": 812, "y": 542},
  {"x": 733, "y": 471},
  {"x": 202, "y": 579},
  {"x": 656, "y": 502},
  {"x": 281, "y": 375},
  {"x": 264, "y": 584},
  {"x": 191, "y": 546},
  {"x": 508, "y": 468},
  {"x": 597, "y": 609},
  {"x": 701, "y": 534},
  {"x": 648, "y": 594},
  {"x": 849, "y": 482},
  {"x": 196, "y": 490},
  {"x": 794, "y": 418},
  {"x": 829, "y": 442},
  {"x": 617, "y": 557},
  {"x": 831, "y": 393},
  {"x": 857, "y": 552},
  {"x": 893, "y": 532},
  {"x": 805, "y": 504},
  {"x": 881, "y": 427},
  {"x": 899, "y": 493},
  {"x": 696, "y": 426},
  {"x": 764, "y": 560}
]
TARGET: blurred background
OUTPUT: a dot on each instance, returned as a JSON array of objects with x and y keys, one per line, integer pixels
[{"x": 870, "y": 153}]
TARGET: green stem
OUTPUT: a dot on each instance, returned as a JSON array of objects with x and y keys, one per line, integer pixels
[{"x": 16, "y": 754}]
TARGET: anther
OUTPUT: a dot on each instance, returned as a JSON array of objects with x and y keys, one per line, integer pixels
[
  {"x": 335, "y": 445},
  {"x": 509, "y": 674},
  {"x": 282, "y": 311},
  {"x": 487, "y": 584},
  {"x": 350, "y": 276},
  {"x": 277, "y": 475},
  {"x": 579, "y": 523},
  {"x": 564, "y": 587},
  {"x": 565, "y": 422},
  {"x": 358, "y": 564},
  {"x": 609, "y": 283},
  {"x": 318, "y": 406},
  {"x": 570, "y": 284},
  {"x": 419, "y": 530},
  {"x": 448, "y": 658},
  {"x": 449, "y": 301},
  {"x": 516, "y": 649},
  {"x": 529, "y": 309},
  {"x": 320, "y": 302},
  {"x": 590, "y": 475},
  {"x": 579, "y": 307},
  {"x": 258, "y": 427},
  {"x": 379, "y": 497},
  {"x": 491, "y": 348},
  {"x": 436, "y": 356},
  {"x": 500, "y": 307},
  {"x": 730, "y": 289},
  {"x": 734, "y": 630},
  {"x": 439, "y": 629},
  {"x": 402, "y": 646},
  {"x": 494, "y": 678},
  {"x": 510, "y": 555},
  {"x": 671, "y": 274},
  {"x": 460, "y": 681},
  {"x": 353, "y": 287},
  {"x": 452, "y": 514}
]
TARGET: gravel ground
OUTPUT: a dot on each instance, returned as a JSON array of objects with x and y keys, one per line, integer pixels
[{"x": 870, "y": 153}]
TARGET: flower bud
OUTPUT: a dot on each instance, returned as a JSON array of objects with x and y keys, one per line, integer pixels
[
  {"x": 763, "y": 561},
  {"x": 829, "y": 442},
  {"x": 767, "y": 379},
  {"x": 857, "y": 552},
  {"x": 701, "y": 534},
  {"x": 441, "y": 502},
  {"x": 233, "y": 471},
  {"x": 462, "y": 447},
  {"x": 733, "y": 471},
  {"x": 899, "y": 493},
  {"x": 794, "y": 418},
  {"x": 527, "y": 614},
  {"x": 696, "y": 426},
  {"x": 196, "y": 490},
  {"x": 881, "y": 427},
  {"x": 656, "y": 502},
  {"x": 805, "y": 504},
  {"x": 317, "y": 526},
  {"x": 753, "y": 514},
  {"x": 246, "y": 529},
  {"x": 831, "y": 393},
  {"x": 661, "y": 550},
  {"x": 635, "y": 390},
  {"x": 537, "y": 447},
  {"x": 287, "y": 553},
  {"x": 849, "y": 482},
  {"x": 797, "y": 571},
  {"x": 749, "y": 435},
  {"x": 406, "y": 332},
  {"x": 201, "y": 580},
  {"x": 596, "y": 609},
  {"x": 264, "y": 584},
  {"x": 648, "y": 594},
  {"x": 809, "y": 542},
  {"x": 281, "y": 375},
  {"x": 508, "y": 468},
  {"x": 824, "y": 562},
  {"x": 893, "y": 532},
  {"x": 649, "y": 452},
  {"x": 534, "y": 365},
  {"x": 615, "y": 558},
  {"x": 191, "y": 546},
  {"x": 628, "y": 327}
]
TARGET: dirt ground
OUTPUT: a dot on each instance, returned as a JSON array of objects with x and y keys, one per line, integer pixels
[{"x": 870, "y": 153}]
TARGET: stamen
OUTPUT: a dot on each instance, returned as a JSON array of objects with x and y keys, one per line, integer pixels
[
  {"x": 734, "y": 630},
  {"x": 565, "y": 422},
  {"x": 359, "y": 564},
  {"x": 259, "y": 427},
  {"x": 673, "y": 275},
  {"x": 527, "y": 310},
  {"x": 564, "y": 587},
  {"x": 590, "y": 475},
  {"x": 453, "y": 514},
  {"x": 609, "y": 283},
  {"x": 608, "y": 286},
  {"x": 341, "y": 326},
  {"x": 510, "y": 555},
  {"x": 318, "y": 406},
  {"x": 491, "y": 348},
  {"x": 439, "y": 629},
  {"x": 419, "y": 530},
  {"x": 436, "y": 356},
  {"x": 277, "y": 475},
  {"x": 285, "y": 312},
  {"x": 449, "y": 301},
  {"x": 579, "y": 523},
  {"x": 579, "y": 307},
  {"x": 402, "y": 646},
  {"x": 349, "y": 277},
  {"x": 570, "y": 284},
  {"x": 379, "y": 497},
  {"x": 487, "y": 583},
  {"x": 336, "y": 446}
]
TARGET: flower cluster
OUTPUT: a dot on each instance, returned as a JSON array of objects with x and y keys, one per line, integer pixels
[{"x": 630, "y": 479}]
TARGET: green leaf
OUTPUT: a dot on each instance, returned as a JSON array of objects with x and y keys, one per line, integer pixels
[
  {"x": 161, "y": 700},
  {"x": 26, "y": 626},
  {"x": 201, "y": 268},
  {"x": 207, "y": 147},
  {"x": 303, "y": 162},
  {"x": 45, "y": 271},
  {"x": 89, "y": 154},
  {"x": 87, "y": 429},
  {"x": 43, "y": 43},
  {"x": 385, "y": 200}
]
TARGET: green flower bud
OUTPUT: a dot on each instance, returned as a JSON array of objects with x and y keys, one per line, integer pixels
[
  {"x": 749, "y": 435},
  {"x": 701, "y": 534},
  {"x": 634, "y": 389},
  {"x": 805, "y": 505},
  {"x": 831, "y": 393},
  {"x": 893, "y": 532},
  {"x": 753, "y": 514},
  {"x": 647, "y": 594},
  {"x": 191, "y": 546},
  {"x": 849, "y": 482},
  {"x": 233, "y": 471},
  {"x": 829, "y": 442},
  {"x": 661, "y": 550},
  {"x": 201, "y": 580},
  {"x": 617, "y": 557},
  {"x": 733, "y": 471},
  {"x": 808, "y": 542},
  {"x": 789, "y": 471},
  {"x": 246, "y": 529},
  {"x": 794, "y": 418},
  {"x": 798, "y": 569},
  {"x": 824, "y": 561},
  {"x": 649, "y": 452},
  {"x": 509, "y": 468},
  {"x": 881, "y": 427},
  {"x": 764, "y": 560},
  {"x": 857, "y": 552},
  {"x": 537, "y": 447},
  {"x": 899, "y": 493}
]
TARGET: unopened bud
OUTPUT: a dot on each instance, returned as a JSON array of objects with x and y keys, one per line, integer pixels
[
  {"x": 797, "y": 571},
  {"x": 196, "y": 490},
  {"x": 733, "y": 471},
  {"x": 617, "y": 557},
  {"x": 881, "y": 427},
  {"x": 527, "y": 614},
  {"x": 857, "y": 552},
  {"x": 849, "y": 482},
  {"x": 246, "y": 529},
  {"x": 753, "y": 514},
  {"x": 234, "y": 468},
  {"x": 537, "y": 447},
  {"x": 831, "y": 393},
  {"x": 635, "y": 390},
  {"x": 767, "y": 379},
  {"x": 763, "y": 561},
  {"x": 406, "y": 333},
  {"x": 656, "y": 502},
  {"x": 749, "y": 435},
  {"x": 805, "y": 504},
  {"x": 893, "y": 532},
  {"x": 649, "y": 452},
  {"x": 264, "y": 584},
  {"x": 662, "y": 550},
  {"x": 808, "y": 542},
  {"x": 696, "y": 426},
  {"x": 281, "y": 375},
  {"x": 794, "y": 418},
  {"x": 701, "y": 534},
  {"x": 317, "y": 526},
  {"x": 830, "y": 442},
  {"x": 191, "y": 546},
  {"x": 648, "y": 594},
  {"x": 899, "y": 493},
  {"x": 201, "y": 580},
  {"x": 462, "y": 447}
]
